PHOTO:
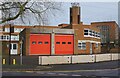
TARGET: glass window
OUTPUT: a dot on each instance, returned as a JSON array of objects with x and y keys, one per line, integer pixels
[
  {"x": 2, "y": 37},
  {"x": 90, "y": 33},
  {"x": 98, "y": 34},
  {"x": 82, "y": 45},
  {"x": 95, "y": 34},
  {"x": 46, "y": 42},
  {"x": 63, "y": 42},
  {"x": 86, "y": 32},
  {"x": 14, "y": 46},
  {"x": 33, "y": 42},
  {"x": 40, "y": 42},
  {"x": 57, "y": 42},
  {"x": 69, "y": 42},
  {"x": 7, "y": 37}
]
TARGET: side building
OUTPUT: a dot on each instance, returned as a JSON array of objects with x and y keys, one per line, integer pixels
[{"x": 109, "y": 35}]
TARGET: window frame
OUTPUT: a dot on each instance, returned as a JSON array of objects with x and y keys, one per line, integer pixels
[{"x": 82, "y": 45}]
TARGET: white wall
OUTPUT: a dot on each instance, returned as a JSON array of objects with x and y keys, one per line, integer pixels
[
  {"x": 73, "y": 59},
  {"x": 83, "y": 58}
]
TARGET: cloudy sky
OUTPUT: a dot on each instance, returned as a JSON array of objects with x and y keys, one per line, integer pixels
[{"x": 90, "y": 12}]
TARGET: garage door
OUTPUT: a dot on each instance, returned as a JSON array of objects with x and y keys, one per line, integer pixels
[
  {"x": 64, "y": 44},
  {"x": 40, "y": 44}
]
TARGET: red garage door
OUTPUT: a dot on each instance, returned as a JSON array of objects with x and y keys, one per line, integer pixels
[
  {"x": 40, "y": 44},
  {"x": 64, "y": 44}
]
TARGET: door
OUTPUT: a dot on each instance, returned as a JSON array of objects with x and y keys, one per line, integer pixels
[
  {"x": 40, "y": 44},
  {"x": 90, "y": 48},
  {"x": 14, "y": 47},
  {"x": 64, "y": 44}
]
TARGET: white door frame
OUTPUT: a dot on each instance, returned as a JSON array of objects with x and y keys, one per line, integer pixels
[
  {"x": 91, "y": 50},
  {"x": 14, "y": 48}
]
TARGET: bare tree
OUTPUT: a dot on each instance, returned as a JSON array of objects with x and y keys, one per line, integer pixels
[{"x": 28, "y": 11}]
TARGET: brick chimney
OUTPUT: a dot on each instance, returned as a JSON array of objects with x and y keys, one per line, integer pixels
[{"x": 75, "y": 13}]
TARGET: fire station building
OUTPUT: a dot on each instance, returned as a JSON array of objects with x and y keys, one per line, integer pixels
[{"x": 67, "y": 39}]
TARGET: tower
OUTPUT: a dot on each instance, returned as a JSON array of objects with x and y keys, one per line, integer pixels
[{"x": 75, "y": 13}]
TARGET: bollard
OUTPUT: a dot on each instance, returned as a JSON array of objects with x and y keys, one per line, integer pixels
[
  {"x": 4, "y": 61},
  {"x": 14, "y": 61}
]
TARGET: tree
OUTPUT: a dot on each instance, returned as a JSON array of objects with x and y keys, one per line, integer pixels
[{"x": 28, "y": 11}]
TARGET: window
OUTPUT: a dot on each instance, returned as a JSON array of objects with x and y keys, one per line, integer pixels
[
  {"x": 7, "y": 30},
  {"x": 57, "y": 42},
  {"x": 14, "y": 46},
  {"x": 40, "y": 42},
  {"x": 46, "y": 42},
  {"x": 69, "y": 42},
  {"x": 95, "y": 34},
  {"x": 63, "y": 42},
  {"x": 33, "y": 42},
  {"x": 7, "y": 37},
  {"x": 98, "y": 34},
  {"x": 82, "y": 45},
  {"x": 86, "y": 32},
  {"x": 90, "y": 33}
]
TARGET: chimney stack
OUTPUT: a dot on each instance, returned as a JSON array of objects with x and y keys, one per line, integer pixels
[{"x": 75, "y": 13}]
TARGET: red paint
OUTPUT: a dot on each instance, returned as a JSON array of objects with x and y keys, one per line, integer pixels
[
  {"x": 40, "y": 48},
  {"x": 66, "y": 47}
]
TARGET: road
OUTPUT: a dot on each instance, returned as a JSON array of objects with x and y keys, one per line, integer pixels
[
  {"x": 106, "y": 72},
  {"x": 94, "y": 69}
]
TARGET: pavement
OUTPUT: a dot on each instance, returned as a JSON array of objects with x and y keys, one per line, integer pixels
[
  {"x": 92, "y": 69},
  {"x": 70, "y": 67}
]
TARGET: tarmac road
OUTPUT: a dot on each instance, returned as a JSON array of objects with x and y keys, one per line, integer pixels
[{"x": 93, "y": 69}]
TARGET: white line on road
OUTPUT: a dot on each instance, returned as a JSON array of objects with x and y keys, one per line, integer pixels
[
  {"x": 51, "y": 73},
  {"x": 63, "y": 74},
  {"x": 76, "y": 75},
  {"x": 40, "y": 72}
]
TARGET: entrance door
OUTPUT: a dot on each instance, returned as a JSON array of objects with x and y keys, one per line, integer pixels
[
  {"x": 14, "y": 47},
  {"x": 90, "y": 48}
]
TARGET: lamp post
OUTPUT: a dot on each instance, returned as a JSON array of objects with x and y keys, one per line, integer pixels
[
  {"x": 21, "y": 43},
  {"x": 11, "y": 30},
  {"x": 10, "y": 44}
]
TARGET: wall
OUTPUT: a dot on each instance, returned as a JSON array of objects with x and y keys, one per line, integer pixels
[{"x": 71, "y": 59}]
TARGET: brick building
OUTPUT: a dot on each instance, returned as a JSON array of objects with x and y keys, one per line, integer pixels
[
  {"x": 85, "y": 39},
  {"x": 109, "y": 35}
]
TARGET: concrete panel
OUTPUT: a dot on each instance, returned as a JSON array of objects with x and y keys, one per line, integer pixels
[
  {"x": 40, "y": 30},
  {"x": 119, "y": 56},
  {"x": 83, "y": 58},
  {"x": 115, "y": 57},
  {"x": 64, "y": 31},
  {"x": 103, "y": 57},
  {"x": 47, "y": 60}
]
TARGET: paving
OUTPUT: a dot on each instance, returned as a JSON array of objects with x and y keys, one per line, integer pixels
[{"x": 64, "y": 67}]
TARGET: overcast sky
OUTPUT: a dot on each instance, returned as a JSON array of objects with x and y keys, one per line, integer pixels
[{"x": 90, "y": 12}]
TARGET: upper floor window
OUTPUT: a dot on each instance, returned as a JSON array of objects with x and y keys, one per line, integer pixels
[
  {"x": 7, "y": 29},
  {"x": 91, "y": 33},
  {"x": 86, "y": 32},
  {"x": 18, "y": 29}
]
